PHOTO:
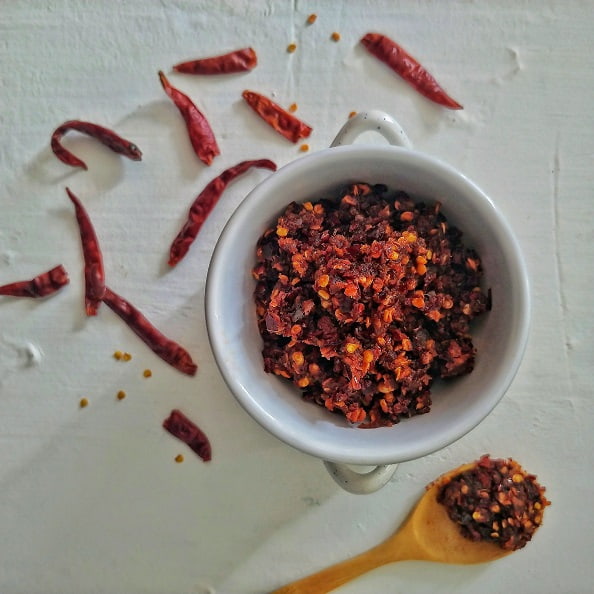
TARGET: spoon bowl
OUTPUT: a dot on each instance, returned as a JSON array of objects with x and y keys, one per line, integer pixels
[{"x": 428, "y": 534}]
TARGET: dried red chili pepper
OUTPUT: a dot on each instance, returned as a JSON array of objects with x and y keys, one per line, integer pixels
[
  {"x": 399, "y": 60},
  {"x": 94, "y": 273},
  {"x": 166, "y": 349},
  {"x": 237, "y": 61},
  {"x": 104, "y": 135},
  {"x": 41, "y": 286},
  {"x": 274, "y": 115},
  {"x": 205, "y": 202},
  {"x": 185, "y": 430},
  {"x": 201, "y": 135}
]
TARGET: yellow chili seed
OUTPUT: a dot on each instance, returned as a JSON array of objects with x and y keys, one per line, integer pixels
[
  {"x": 298, "y": 358},
  {"x": 291, "y": 47},
  {"x": 83, "y": 402},
  {"x": 282, "y": 231},
  {"x": 118, "y": 355},
  {"x": 517, "y": 478},
  {"x": 304, "y": 148},
  {"x": 368, "y": 356},
  {"x": 147, "y": 373},
  {"x": 293, "y": 107},
  {"x": 335, "y": 36},
  {"x": 323, "y": 280},
  {"x": 324, "y": 294},
  {"x": 303, "y": 382},
  {"x": 179, "y": 458},
  {"x": 126, "y": 356},
  {"x": 351, "y": 347},
  {"x": 352, "y": 114},
  {"x": 308, "y": 206},
  {"x": 311, "y": 19},
  {"x": 121, "y": 395}
]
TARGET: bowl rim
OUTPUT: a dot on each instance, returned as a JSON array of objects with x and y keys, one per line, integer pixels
[{"x": 252, "y": 406}]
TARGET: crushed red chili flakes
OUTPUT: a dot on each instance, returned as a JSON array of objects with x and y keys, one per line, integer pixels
[
  {"x": 363, "y": 301},
  {"x": 495, "y": 501}
]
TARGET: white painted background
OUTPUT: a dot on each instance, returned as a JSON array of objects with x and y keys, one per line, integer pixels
[{"x": 91, "y": 500}]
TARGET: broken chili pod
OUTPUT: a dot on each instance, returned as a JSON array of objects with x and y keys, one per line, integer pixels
[
  {"x": 93, "y": 270},
  {"x": 185, "y": 430},
  {"x": 275, "y": 116},
  {"x": 201, "y": 135},
  {"x": 240, "y": 60},
  {"x": 205, "y": 202},
  {"x": 104, "y": 135},
  {"x": 168, "y": 350},
  {"x": 42, "y": 285},
  {"x": 400, "y": 61}
]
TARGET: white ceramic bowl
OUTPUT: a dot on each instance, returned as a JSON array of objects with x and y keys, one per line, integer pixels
[{"x": 500, "y": 336}]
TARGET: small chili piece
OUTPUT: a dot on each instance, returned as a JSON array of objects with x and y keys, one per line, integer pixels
[
  {"x": 104, "y": 135},
  {"x": 185, "y": 430},
  {"x": 94, "y": 273},
  {"x": 399, "y": 60},
  {"x": 240, "y": 60},
  {"x": 205, "y": 202},
  {"x": 201, "y": 135},
  {"x": 42, "y": 285},
  {"x": 274, "y": 115},
  {"x": 166, "y": 349}
]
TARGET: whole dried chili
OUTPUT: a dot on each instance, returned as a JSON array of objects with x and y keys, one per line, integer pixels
[
  {"x": 495, "y": 500},
  {"x": 104, "y": 135},
  {"x": 94, "y": 273},
  {"x": 205, "y": 202},
  {"x": 185, "y": 430},
  {"x": 42, "y": 285},
  {"x": 201, "y": 135},
  {"x": 238, "y": 61},
  {"x": 399, "y": 60},
  {"x": 274, "y": 115},
  {"x": 166, "y": 349}
]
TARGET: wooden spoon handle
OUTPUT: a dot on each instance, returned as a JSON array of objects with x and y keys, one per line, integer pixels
[{"x": 337, "y": 575}]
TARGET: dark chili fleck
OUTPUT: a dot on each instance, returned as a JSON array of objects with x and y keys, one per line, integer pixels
[
  {"x": 495, "y": 501},
  {"x": 237, "y": 61},
  {"x": 185, "y": 430},
  {"x": 399, "y": 60},
  {"x": 104, "y": 135},
  {"x": 205, "y": 202},
  {"x": 42, "y": 285}
]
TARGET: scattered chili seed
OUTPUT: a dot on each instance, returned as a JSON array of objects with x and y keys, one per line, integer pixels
[
  {"x": 240, "y": 60},
  {"x": 352, "y": 114},
  {"x": 118, "y": 355},
  {"x": 311, "y": 19},
  {"x": 347, "y": 285},
  {"x": 93, "y": 269},
  {"x": 401, "y": 62},
  {"x": 291, "y": 47},
  {"x": 304, "y": 148},
  {"x": 179, "y": 458},
  {"x": 275, "y": 116},
  {"x": 44, "y": 284},
  {"x": 496, "y": 501},
  {"x": 107, "y": 137},
  {"x": 126, "y": 356},
  {"x": 293, "y": 107},
  {"x": 147, "y": 373},
  {"x": 121, "y": 395},
  {"x": 83, "y": 403},
  {"x": 201, "y": 135},
  {"x": 335, "y": 36},
  {"x": 166, "y": 349},
  {"x": 205, "y": 202},
  {"x": 185, "y": 430}
]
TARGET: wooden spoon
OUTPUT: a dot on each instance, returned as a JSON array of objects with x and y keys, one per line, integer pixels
[{"x": 428, "y": 534}]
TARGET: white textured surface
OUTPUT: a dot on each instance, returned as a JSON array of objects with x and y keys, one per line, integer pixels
[{"x": 91, "y": 500}]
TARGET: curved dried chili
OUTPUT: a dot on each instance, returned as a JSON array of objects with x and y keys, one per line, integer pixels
[
  {"x": 237, "y": 61},
  {"x": 275, "y": 116},
  {"x": 185, "y": 430},
  {"x": 399, "y": 60},
  {"x": 201, "y": 135},
  {"x": 166, "y": 349},
  {"x": 94, "y": 273},
  {"x": 104, "y": 135},
  {"x": 205, "y": 202},
  {"x": 42, "y": 285}
]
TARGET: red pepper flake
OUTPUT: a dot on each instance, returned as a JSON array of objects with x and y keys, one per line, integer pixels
[
  {"x": 201, "y": 134},
  {"x": 311, "y": 19},
  {"x": 44, "y": 284},
  {"x": 94, "y": 273},
  {"x": 275, "y": 116},
  {"x": 205, "y": 202},
  {"x": 401, "y": 62},
  {"x": 240, "y": 60},
  {"x": 185, "y": 430},
  {"x": 83, "y": 403},
  {"x": 335, "y": 36},
  {"x": 166, "y": 349},
  {"x": 495, "y": 500},
  {"x": 104, "y": 135},
  {"x": 291, "y": 47}
]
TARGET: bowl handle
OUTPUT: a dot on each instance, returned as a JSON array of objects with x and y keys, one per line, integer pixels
[
  {"x": 372, "y": 121},
  {"x": 357, "y": 482}
]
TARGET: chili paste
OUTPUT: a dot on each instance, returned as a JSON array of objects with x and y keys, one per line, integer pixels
[{"x": 363, "y": 301}]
